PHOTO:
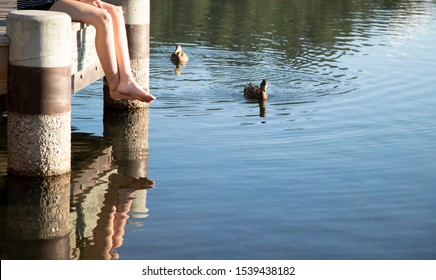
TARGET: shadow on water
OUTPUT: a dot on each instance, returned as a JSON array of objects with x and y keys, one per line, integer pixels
[{"x": 82, "y": 215}]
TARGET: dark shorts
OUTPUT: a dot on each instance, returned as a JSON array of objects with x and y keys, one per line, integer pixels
[{"x": 42, "y": 7}]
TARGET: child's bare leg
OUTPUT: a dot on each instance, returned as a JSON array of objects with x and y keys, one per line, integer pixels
[
  {"x": 86, "y": 11},
  {"x": 127, "y": 82},
  {"x": 104, "y": 42}
]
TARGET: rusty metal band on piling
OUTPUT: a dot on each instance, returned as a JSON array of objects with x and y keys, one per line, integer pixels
[{"x": 39, "y": 91}]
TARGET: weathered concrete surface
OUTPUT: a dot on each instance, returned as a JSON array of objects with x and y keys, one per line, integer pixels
[
  {"x": 39, "y": 38},
  {"x": 39, "y": 145}
]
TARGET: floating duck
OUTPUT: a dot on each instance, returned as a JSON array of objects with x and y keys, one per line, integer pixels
[
  {"x": 256, "y": 92},
  {"x": 179, "y": 56}
]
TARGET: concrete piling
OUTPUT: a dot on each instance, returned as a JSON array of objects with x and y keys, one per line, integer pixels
[
  {"x": 39, "y": 85},
  {"x": 39, "y": 99}
]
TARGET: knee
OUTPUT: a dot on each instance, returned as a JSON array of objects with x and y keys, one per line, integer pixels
[
  {"x": 116, "y": 12},
  {"x": 104, "y": 18}
]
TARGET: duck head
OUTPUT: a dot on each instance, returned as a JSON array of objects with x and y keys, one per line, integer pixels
[
  {"x": 179, "y": 56},
  {"x": 178, "y": 50},
  {"x": 263, "y": 85}
]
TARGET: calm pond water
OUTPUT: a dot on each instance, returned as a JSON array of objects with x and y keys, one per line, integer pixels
[{"x": 339, "y": 163}]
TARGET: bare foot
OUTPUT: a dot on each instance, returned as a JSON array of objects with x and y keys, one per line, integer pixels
[
  {"x": 132, "y": 90},
  {"x": 115, "y": 95}
]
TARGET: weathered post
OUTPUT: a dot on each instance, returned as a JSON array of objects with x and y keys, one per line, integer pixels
[
  {"x": 137, "y": 19},
  {"x": 39, "y": 99}
]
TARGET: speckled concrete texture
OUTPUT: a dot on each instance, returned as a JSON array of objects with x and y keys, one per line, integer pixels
[
  {"x": 141, "y": 71},
  {"x": 39, "y": 145}
]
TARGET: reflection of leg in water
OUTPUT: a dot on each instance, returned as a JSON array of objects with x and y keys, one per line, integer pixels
[
  {"x": 127, "y": 133},
  {"x": 125, "y": 197},
  {"x": 109, "y": 232},
  {"x": 127, "y": 186},
  {"x": 103, "y": 233},
  {"x": 129, "y": 182}
]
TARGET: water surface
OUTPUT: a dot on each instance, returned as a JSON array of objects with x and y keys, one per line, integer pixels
[{"x": 339, "y": 162}]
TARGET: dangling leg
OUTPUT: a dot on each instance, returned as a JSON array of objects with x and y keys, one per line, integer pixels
[
  {"x": 127, "y": 81},
  {"x": 121, "y": 85}
]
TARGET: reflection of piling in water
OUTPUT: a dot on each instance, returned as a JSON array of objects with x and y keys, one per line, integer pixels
[
  {"x": 127, "y": 131},
  {"x": 3, "y": 103},
  {"x": 128, "y": 134},
  {"x": 139, "y": 208},
  {"x": 39, "y": 105},
  {"x": 113, "y": 188},
  {"x": 87, "y": 212},
  {"x": 88, "y": 189},
  {"x": 38, "y": 216},
  {"x": 137, "y": 20}
]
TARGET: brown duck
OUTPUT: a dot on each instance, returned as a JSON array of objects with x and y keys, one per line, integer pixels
[
  {"x": 179, "y": 56},
  {"x": 256, "y": 92}
]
